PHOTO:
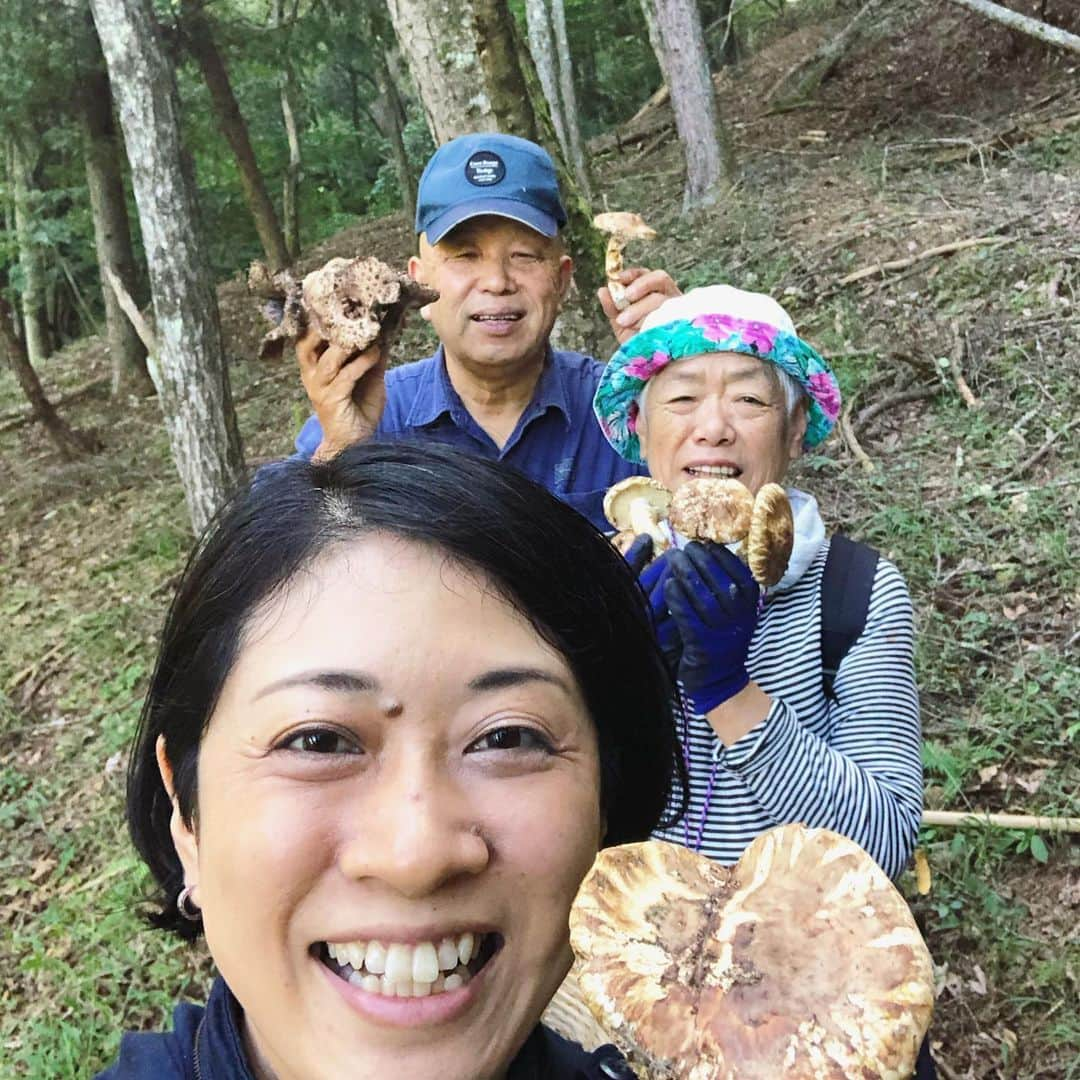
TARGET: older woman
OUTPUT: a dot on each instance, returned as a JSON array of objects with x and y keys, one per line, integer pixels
[
  {"x": 402, "y": 698},
  {"x": 718, "y": 383}
]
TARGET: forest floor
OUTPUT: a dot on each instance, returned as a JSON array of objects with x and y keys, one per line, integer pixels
[{"x": 946, "y": 131}]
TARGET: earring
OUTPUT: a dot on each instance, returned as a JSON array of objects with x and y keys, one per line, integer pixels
[{"x": 187, "y": 907}]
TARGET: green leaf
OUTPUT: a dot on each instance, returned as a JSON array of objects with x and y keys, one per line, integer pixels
[{"x": 1038, "y": 848}]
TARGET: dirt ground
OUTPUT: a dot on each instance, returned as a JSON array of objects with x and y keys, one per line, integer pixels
[{"x": 948, "y": 129}]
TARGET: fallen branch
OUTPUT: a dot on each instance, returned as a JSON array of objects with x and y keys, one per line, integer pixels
[
  {"x": 808, "y": 74},
  {"x": 1039, "y": 454},
  {"x": 131, "y": 310},
  {"x": 852, "y": 441},
  {"x": 1001, "y": 821},
  {"x": 1052, "y": 35},
  {"x": 970, "y": 400},
  {"x": 871, "y": 412},
  {"x": 922, "y": 256}
]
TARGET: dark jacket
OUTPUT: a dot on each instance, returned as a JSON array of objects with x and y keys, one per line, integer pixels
[{"x": 205, "y": 1045}]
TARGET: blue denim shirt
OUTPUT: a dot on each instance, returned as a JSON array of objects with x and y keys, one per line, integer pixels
[{"x": 557, "y": 441}]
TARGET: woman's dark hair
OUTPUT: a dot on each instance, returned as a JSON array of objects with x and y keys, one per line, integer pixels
[{"x": 546, "y": 559}]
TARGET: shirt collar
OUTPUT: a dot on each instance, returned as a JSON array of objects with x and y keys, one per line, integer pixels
[{"x": 436, "y": 396}]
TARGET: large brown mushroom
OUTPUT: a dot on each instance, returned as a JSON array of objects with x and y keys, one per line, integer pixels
[
  {"x": 621, "y": 227},
  {"x": 352, "y": 303},
  {"x": 801, "y": 961},
  {"x": 723, "y": 511}
]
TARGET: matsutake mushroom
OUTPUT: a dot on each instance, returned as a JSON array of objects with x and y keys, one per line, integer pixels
[
  {"x": 621, "y": 227},
  {"x": 634, "y": 506},
  {"x": 352, "y": 303},
  {"x": 724, "y": 511},
  {"x": 801, "y": 961}
]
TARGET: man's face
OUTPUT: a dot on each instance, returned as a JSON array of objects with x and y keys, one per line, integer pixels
[{"x": 500, "y": 285}]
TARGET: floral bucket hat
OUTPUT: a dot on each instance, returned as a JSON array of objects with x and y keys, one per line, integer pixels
[{"x": 712, "y": 319}]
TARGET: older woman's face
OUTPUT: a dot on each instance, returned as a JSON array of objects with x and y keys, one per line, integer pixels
[
  {"x": 400, "y": 774},
  {"x": 721, "y": 414}
]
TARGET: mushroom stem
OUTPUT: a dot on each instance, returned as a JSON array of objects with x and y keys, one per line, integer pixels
[
  {"x": 613, "y": 264},
  {"x": 644, "y": 519}
]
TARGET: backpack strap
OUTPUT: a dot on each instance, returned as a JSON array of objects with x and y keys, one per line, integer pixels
[{"x": 846, "y": 585}]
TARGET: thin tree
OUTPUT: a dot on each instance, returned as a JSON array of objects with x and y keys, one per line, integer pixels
[
  {"x": 550, "y": 48},
  {"x": 22, "y": 162},
  {"x": 112, "y": 230},
  {"x": 388, "y": 112},
  {"x": 283, "y": 20},
  {"x": 706, "y": 141},
  {"x": 189, "y": 369},
  {"x": 198, "y": 38},
  {"x": 69, "y": 443}
]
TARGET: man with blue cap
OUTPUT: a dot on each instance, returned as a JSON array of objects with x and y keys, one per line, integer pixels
[{"x": 488, "y": 218}]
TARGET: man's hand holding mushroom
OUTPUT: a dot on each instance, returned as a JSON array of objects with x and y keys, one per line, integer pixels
[
  {"x": 346, "y": 390},
  {"x": 645, "y": 291}
]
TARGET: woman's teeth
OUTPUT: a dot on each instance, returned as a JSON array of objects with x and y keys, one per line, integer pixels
[
  {"x": 712, "y": 470},
  {"x": 397, "y": 970}
]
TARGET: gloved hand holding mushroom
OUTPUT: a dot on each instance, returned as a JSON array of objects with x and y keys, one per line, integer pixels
[{"x": 718, "y": 395}]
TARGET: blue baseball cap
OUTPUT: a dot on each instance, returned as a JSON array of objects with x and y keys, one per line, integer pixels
[{"x": 488, "y": 173}]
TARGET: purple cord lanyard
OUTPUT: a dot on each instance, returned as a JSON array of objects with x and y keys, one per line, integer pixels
[{"x": 696, "y": 845}]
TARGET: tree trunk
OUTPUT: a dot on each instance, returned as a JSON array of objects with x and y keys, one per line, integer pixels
[
  {"x": 728, "y": 50},
  {"x": 706, "y": 143},
  {"x": 391, "y": 122},
  {"x": 69, "y": 443},
  {"x": 576, "y": 152},
  {"x": 189, "y": 371},
  {"x": 474, "y": 73},
  {"x": 112, "y": 234},
  {"x": 199, "y": 40},
  {"x": 551, "y": 54},
  {"x": 542, "y": 47},
  {"x": 1052, "y": 35},
  {"x": 34, "y": 300},
  {"x": 290, "y": 184},
  {"x": 648, "y": 9},
  {"x": 441, "y": 47}
]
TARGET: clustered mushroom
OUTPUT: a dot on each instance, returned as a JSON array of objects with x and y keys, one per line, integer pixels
[
  {"x": 352, "y": 303},
  {"x": 708, "y": 508},
  {"x": 801, "y": 961},
  {"x": 621, "y": 227}
]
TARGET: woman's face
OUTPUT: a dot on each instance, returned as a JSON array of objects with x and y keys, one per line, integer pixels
[
  {"x": 721, "y": 414},
  {"x": 398, "y": 797}
]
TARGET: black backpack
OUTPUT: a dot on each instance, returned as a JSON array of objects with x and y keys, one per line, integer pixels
[{"x": 846, "y": 585}]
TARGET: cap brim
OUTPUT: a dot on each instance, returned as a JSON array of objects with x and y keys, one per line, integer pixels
[{"x": 543, "y": 223}]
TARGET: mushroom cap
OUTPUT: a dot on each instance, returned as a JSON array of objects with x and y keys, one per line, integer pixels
[
  {"x": 619, "y": 497},
  {"x": 624, "y": 224},
  {"x": 352, "y": 303},
  {"x": 800, "y": 961},
  {"x": 711, "y": 508},
  {"x": 772, "y": 535}
]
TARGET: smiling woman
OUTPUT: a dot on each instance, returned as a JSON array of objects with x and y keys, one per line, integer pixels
[{"x": 401, "y": 700}]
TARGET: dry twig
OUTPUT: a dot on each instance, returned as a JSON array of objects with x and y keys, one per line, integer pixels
[
  {"x": 847, "y": 430},
  {"x": 970, "y": 400},
  {"x": 1001, "y": 821},
  {"x": 922, "y": 256},
  {"x": 1034, "y": 459},
  {"x": 871, "y": 412}
]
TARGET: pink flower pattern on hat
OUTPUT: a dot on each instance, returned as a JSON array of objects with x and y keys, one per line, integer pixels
[{"x": 758, "y": 336}]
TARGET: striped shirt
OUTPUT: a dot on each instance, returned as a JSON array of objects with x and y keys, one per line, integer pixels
[{"x": 852, "y": 765}]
